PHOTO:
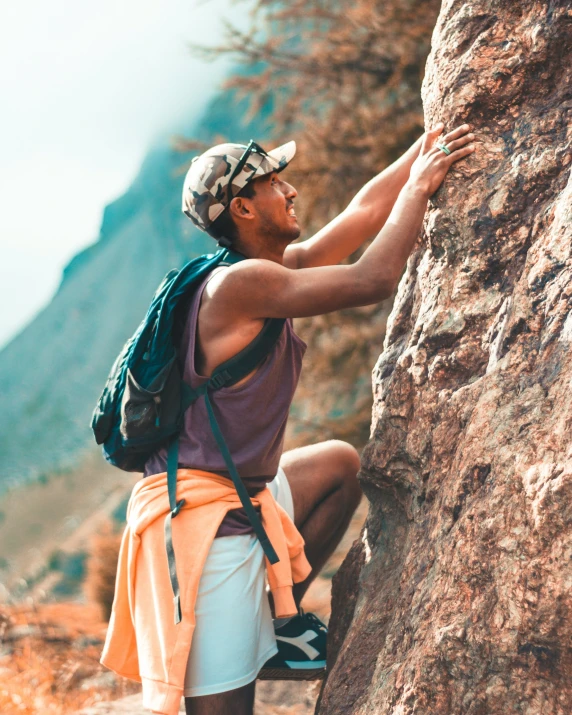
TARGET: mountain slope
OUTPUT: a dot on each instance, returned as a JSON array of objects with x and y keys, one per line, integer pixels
[{"x": 52, "y": 373}]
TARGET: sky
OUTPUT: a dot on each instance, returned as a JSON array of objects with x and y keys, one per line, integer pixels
[{"x": 86, "y": 88}]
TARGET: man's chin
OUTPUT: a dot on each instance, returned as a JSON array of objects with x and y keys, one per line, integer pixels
[
  {"x": 283, "y": 233},
  {"x": 290, "y": 235},
  {"x": 295, "y": 233}
]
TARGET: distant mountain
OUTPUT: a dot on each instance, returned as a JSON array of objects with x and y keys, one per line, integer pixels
[{"x": 51, "y": 374}]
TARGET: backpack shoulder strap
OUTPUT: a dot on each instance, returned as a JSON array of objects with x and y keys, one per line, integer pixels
[{"x": 240, "y": 365}]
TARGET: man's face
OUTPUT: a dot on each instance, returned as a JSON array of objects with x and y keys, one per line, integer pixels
[{"x": 273, "y": 204}]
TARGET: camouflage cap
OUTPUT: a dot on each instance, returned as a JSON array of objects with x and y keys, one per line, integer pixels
[{"x": 206, "y": 191}]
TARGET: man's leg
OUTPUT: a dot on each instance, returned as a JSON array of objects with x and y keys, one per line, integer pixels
[
  {"x": 326, "y": 493},
  {"x": 233, "y": 702}
]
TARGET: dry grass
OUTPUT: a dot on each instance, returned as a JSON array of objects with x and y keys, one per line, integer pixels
[{"x": 49, "y": 660}]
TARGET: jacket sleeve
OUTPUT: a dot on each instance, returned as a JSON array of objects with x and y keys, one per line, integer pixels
[{"x": 293, "y": 566}]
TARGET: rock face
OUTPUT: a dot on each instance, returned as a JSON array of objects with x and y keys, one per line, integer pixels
[{"x": 457, "y": 597}]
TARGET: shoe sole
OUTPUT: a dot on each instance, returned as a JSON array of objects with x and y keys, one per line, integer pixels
[{"x": 287, "y": 674}]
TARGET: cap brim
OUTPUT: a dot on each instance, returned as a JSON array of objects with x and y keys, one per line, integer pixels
[{"x": 284, "y": 154}]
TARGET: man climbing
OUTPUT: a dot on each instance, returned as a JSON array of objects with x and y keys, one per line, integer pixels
[{"x": 238, "y": 196}]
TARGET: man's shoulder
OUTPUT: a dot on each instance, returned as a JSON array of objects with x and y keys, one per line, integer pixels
[
  {"x": 253, "y": 289},
  {"x": 220, "y": 302},
  {"x": 251, "y": 273}
]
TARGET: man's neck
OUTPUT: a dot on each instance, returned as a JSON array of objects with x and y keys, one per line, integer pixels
[{"x": 257, "y": 249}]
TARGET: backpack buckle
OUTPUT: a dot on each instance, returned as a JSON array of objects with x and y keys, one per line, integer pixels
[{"x": 220, "y": 379}]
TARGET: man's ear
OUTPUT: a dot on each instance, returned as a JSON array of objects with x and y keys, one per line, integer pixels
[{"x": 241, "y": 208}]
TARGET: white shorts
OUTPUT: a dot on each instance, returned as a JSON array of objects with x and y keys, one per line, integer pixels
[{"x": 234, "y": 635}]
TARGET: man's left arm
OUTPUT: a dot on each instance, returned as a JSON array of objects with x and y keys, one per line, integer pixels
[{"x": 364, "y": 217}]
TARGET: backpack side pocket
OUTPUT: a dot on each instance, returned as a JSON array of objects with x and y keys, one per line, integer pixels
[{"x": 148, "y": 412}]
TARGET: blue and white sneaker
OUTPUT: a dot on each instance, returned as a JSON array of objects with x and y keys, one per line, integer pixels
[{"x": 301, "y": 650}]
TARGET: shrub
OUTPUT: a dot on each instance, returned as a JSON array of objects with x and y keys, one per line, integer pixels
[{"x": 102, "y": 568}]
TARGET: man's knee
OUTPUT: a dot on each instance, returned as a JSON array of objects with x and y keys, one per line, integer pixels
[
  {"x": 346, "y": 456},
  {"x": 317, "y": 471},
  {"x": 348, "y": 461}
]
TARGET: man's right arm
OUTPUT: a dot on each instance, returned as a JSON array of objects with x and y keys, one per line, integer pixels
[{"x": 265, "y": 289}]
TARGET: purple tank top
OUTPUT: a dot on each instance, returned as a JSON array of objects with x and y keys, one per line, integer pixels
[{"x": 251, "y": 416}]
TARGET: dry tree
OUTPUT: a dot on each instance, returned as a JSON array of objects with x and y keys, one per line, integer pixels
[{"x": 342, "y": 78}]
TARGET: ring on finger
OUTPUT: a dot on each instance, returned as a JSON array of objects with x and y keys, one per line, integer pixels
[{"x": 444, "y": 149}]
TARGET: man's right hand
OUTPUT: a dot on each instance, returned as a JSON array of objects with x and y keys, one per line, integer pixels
[{"x": 431, "y": 166}]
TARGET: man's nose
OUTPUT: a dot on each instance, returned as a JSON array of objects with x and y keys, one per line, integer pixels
[{"x": 289, "y": 191}]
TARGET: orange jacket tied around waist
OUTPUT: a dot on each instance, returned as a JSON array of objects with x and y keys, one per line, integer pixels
[{"x": 143, "y": 643}]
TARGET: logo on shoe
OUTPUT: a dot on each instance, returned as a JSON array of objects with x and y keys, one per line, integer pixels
[{"x": 302, "y": 642}]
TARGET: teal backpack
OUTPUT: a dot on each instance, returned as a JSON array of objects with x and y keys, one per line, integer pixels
[{"x": 143, "y": 403}]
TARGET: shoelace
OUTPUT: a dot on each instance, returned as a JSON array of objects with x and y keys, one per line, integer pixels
[{"x": 314, "y": 620}]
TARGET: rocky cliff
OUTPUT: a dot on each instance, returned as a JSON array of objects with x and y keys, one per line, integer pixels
[{"x": 456, "y": 598}]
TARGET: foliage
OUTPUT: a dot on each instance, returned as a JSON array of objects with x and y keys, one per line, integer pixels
[{"x": 343, "y": 78}]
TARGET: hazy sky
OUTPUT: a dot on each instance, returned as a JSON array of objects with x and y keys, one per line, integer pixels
[{"x": 85, "y": 88}]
